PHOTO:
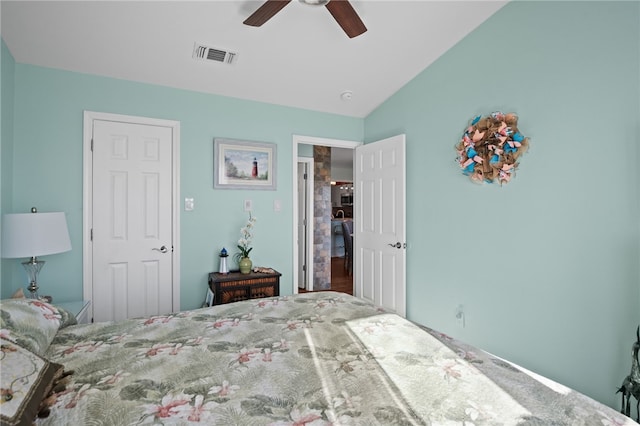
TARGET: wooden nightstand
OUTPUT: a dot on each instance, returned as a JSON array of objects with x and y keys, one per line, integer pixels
[
  {"x": 234, "y": 286},
  {"x": 79, "y": 308}
]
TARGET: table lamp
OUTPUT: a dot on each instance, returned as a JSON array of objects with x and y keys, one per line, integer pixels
[{"x": 31, "y": 235}]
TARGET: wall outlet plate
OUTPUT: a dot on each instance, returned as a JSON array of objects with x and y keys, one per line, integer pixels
[{"x": 460, "y": 315}]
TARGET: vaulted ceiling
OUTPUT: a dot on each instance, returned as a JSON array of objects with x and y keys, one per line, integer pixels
[{"x": 299, "y": 58}]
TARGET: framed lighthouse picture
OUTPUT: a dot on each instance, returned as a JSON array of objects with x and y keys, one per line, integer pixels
[{"x": 244, "y": 164}]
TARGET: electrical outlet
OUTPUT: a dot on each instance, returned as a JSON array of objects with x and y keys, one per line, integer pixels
[
  {"x": 460, "y": 315},
  {"x": 248, "y": 205}
]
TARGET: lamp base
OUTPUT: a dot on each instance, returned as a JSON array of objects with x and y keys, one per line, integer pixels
[{"x": 33, "y": 267}]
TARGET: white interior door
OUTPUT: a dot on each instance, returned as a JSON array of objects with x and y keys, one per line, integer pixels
[
  {"x": 304, "y": 202},
  {"x": 132, "y": 220},
  {"x": 379, "y": 224}
]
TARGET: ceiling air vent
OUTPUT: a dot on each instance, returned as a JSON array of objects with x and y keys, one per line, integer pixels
[{"x": 206, "y": 53}]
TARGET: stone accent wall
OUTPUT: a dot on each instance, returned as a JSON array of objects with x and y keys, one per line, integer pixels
[{"x": 322, "y": 218}]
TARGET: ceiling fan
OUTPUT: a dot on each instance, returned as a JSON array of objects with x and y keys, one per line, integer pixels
[{"x": 341, "y": 10}]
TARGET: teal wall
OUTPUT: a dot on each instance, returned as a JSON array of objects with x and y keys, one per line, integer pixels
[
  {"x": 546, "y": 267},
  {"x": 7, "y": 73},
  {"x": 47, "y": 153}
]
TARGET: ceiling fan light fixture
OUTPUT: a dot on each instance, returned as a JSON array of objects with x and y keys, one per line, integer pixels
[{"x": 315, "y": 2}]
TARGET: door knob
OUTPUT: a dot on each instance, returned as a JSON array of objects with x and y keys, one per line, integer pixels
[
  {"x": 163, "y": 249},
  {"x": 396, "y": 245}
]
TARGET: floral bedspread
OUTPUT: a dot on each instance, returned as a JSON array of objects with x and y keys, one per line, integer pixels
[{"x": 311, "y": 359}]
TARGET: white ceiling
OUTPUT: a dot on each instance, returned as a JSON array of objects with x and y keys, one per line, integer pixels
[{"x": 300, "y": 58}]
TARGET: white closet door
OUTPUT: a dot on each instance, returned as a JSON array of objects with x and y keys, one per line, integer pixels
[{"x": 132, "y": 220}]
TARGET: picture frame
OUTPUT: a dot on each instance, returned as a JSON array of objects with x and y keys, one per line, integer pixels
[
  {"x": 208, "y": 300},
  {"x": 239, "y": 164}
]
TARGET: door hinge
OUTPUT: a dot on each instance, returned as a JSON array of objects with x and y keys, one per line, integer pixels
[
  {"x": 305, "y": 176},
  {"x": 91, "y": 144},
  {"x": 91, "y": 236}
]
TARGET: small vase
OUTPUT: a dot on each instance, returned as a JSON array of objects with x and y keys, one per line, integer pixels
[{"x": 245, "y": 265}]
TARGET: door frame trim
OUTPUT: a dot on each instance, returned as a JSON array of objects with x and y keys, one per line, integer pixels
[
  {"x": 307, "y": 140},
  {"x": 87, "y": 198}
]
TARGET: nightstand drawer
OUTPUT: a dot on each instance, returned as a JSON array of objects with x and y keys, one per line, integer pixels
[{"x": 234, "y": 286}]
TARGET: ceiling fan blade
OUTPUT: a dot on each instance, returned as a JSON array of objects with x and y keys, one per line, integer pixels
[
  {"x": 346, "y": 16},
  {"x": 265, "y": 12}
]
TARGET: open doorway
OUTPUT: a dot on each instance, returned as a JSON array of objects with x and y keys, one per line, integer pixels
[
  {"x": 313, "y": 254},
  {"x": 326, "y": 206}
]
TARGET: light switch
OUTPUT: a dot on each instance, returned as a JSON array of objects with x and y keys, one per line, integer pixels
[
  {"x": 277, "y": 205},
  {"x": 188, "y": 204}
]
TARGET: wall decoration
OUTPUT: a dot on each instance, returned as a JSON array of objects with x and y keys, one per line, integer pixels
[
  {"x": 490, "y": 148},
  {"x": 243, "y": 164}
]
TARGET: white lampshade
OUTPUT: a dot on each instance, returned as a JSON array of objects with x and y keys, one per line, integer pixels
[{"x": 34, "y": 234}]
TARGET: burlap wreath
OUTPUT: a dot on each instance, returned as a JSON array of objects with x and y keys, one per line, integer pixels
[{"x": 490, "y": 148}]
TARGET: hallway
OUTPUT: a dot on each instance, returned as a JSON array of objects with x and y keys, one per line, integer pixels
[{"x": 340, "y": 279}]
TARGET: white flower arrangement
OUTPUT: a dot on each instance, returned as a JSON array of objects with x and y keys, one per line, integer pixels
[{"x": 246, "y": 236}]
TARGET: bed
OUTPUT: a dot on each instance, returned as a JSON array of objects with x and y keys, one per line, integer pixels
[{"x": 310, "y": 359}]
